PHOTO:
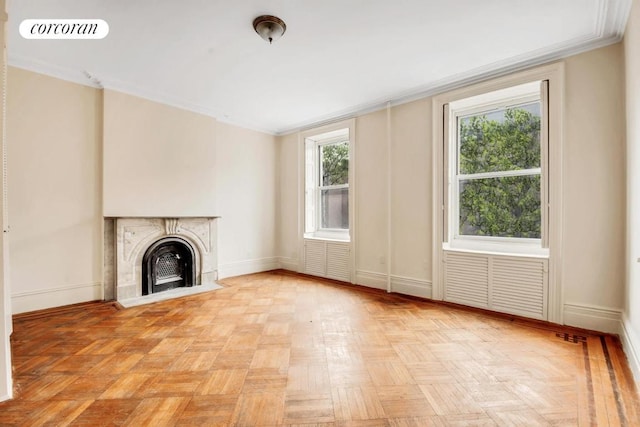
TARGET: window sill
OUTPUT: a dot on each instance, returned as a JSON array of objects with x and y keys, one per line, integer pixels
[
  {"x": 330, "y": 237},
  {"x": 525, "y": 251}
]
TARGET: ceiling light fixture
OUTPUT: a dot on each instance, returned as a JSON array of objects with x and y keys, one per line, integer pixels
[{"x": 269, "y": 27}]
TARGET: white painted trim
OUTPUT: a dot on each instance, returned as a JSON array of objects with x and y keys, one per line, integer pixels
[
  {"x": 40, "y": 299},
  {"x": 86, "y": 78},
  {"x": 483, "y": 73},
  {"x": 371, "y": 279},
  {"x": 62, "y": 73},
  {"x": 616, "y": 18},
  {"x": 595, "y": 318},
  {"x": 389, "y": 197},
  {"x": 439, "y": 195},
  {"x": 250, "y": 266},
  {"x": 608, "y": 29},
  {"x": 410, "y": 286},
  {"x": 300, "y": 155},
  {"x": 302, "y": 136},
  {"x": 555, "y": 74},
  {"x": 6, "y": 324},
  {"x": 399, "y": 284},
  {"x": 290, "y": 264},
  {"x": 631, "y": 346}
]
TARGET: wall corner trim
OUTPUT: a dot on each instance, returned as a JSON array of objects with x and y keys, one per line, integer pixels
[
  {"x": 601, "y": 319},
  {"x": 631, "y": 346},
  {"x": 290, "y": 264},
  {"x": 249, "y": 266}
]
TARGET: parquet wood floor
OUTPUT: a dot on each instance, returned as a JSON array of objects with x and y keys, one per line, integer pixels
[{"x": 276, "y": 349}]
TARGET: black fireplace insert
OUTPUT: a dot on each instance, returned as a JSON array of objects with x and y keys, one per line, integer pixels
[{"x": 169, "y": 263}]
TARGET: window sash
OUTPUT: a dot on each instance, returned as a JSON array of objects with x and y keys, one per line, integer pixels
[
  {"x": 319, "y": 159},
  {"x": 452, "y": 167},
  {"x": 320, "y": 210},
  {"x": 314, "y": 190},
  {"x": 500, "y": 239}
]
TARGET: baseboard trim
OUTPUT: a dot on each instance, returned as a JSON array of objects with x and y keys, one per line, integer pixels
[
  {"x": 399, "y": 284},
  {"x": 601, "y": 319},
  {"x": 291, "y": 264},
  {"x": 410, "y": 286},
  {"x": 371, "y": 279},
  {"x": 5, "y": 397},
  {"x": 41, "y": 299},
  {"x": 250, "y": 266},
  {"x": 631, "y": 346}
]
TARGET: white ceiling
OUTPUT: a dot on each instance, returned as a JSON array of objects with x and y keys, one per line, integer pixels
[{"x": 336, "y": 58}]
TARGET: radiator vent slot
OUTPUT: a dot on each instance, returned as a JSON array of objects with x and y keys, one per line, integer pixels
[
  {"x": 315, "y": 258},
  {"x": 514, "y": 285},
  {"x": 327, "y": 259},
  {"x": 467, "y": 280},
  {"x": 338, "y": 262},
  {"x": 520, "y": 287}
]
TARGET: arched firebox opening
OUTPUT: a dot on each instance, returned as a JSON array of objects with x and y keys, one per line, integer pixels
[{"x": 169, "y": 263}]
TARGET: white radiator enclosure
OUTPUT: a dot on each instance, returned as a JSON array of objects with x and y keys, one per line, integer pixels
[
  {"x": 507, "y": 284},
  {"x": 327, "y": 258}
]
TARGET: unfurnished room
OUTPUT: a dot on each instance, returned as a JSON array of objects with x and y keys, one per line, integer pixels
[{"x": 320, "y": 213}]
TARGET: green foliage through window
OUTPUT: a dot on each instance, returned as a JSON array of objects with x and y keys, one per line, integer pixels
[
  {"x": 334, "y": 172},
  {"x": 335, "y": 164},
  {"x": 500, "y": 141}
]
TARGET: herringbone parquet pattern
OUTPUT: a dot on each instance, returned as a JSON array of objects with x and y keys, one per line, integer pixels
[{"x": 279, "y": 349}]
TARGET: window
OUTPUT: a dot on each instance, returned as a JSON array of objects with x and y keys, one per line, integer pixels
[
  {"x": 327, "y": 157},
  {"x": 333, "y": 167},
  {"x": 497, "y": 171}
]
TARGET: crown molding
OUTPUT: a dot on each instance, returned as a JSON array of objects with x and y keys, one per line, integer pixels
[
  {"x": 456, "y": 81},
  {"x": 86, "y": 78},
  {"x": 608, "y": 28}
]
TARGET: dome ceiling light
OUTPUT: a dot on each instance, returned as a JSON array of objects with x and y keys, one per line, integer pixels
[{"x": 269, "y": 27}]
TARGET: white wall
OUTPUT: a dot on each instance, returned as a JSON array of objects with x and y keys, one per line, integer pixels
[
  {"x": 631, "y": 331},
  {"x": 158, "y": 160},
  {"x": 55, "y": 135},
  {"x": 287, "y": 208},
  {"x": 6, "y": 389},
  {"x": 247, "y": 194},
  {"x": 54, "y": 170},
  {"x": 593, "y": 195},
  {"x": 371, "y": 198},
  {"x": 411, "y": 195}
]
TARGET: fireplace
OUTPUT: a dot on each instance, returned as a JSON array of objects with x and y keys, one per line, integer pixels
[
  {"x": 160, "y": 256},
  {"x": 168, "y": 264}
]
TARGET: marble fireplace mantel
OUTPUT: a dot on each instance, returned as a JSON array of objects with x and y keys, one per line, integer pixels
[{"x": 132, "y": 236}]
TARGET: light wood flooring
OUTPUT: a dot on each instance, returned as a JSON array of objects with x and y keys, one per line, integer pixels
[{"x": 281, "y": 349}]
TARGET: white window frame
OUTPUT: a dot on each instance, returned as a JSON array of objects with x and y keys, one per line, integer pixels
[
  {"x": 554, "y": 73},
  {"x": 486, "y": 102},
  {"x": 320, "y": 187},
  {"x": 312, "y": 141}
]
